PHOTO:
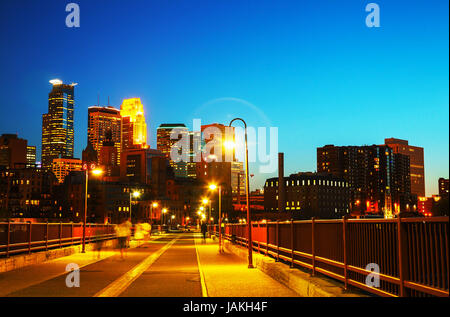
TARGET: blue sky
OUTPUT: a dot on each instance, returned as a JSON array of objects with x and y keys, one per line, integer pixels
[{"x": 312, "y": 68}]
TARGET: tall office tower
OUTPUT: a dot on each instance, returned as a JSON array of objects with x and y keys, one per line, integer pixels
[
  {"x": 416, "y": 160},
  {"x": 134, "y": 128},
  {"x": 378, "y": 177},
  {"x": 145, "y": 166},
  {"x": 166, "y": 145},
  {"x": 61, "y": 167},
  {"x": 217, "y": 164},
  {"x": 13, "y": 150},
  {"x": 216, "y": 167},
  {"x": 109, "y": 157},
  {"x": 57, "y": 124},
  {"x": 238, "y": 181},
  {"x": 31, "y": 155},
  {"x": 103, "y": 123},
  {"x": 194, "y": 153}
]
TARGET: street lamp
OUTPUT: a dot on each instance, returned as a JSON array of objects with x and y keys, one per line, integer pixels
[
  {"x": 206, "y": 201},
  {"x": 96, "y": 172},
  {"x": 154, "y": 205},
  {"x": 135, "y": 194},
  {"x": 162, "y": 215},
  {"x": 247, "y": 189},
  {"x": 214, "y": 187}
]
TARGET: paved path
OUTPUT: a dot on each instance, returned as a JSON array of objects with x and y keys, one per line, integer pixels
[{"x": 172, "y": 265}]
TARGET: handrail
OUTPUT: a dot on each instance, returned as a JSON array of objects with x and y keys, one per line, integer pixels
[
  {"x": 51, "y": 235},
  {"x": 413, "y": 252}
]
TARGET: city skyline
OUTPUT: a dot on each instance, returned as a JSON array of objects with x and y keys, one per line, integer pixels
[
  {"x": 378, "y": 83},
  {"x": 218, "y": 154}
]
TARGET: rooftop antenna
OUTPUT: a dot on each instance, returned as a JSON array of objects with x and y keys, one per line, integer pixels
[
  {"x": 98, "y": 100},
  {"x": 108, "y": 100}
]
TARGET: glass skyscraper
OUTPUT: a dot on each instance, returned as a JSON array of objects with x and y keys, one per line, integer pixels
[{"x": 57, "y": 124}]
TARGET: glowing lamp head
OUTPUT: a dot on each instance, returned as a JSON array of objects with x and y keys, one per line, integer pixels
[
  {"x": 136, "y": 194},
  {"x": 97, "y": 171},
  {"x": 202, "y": 208},
  {"x": 205, "y": 201},
  {"x": 154, "y": 205},
  {"x": 164, "y": 210},
  {"x": 213, "y": 186},
  {"x": 173, "y": 217}
]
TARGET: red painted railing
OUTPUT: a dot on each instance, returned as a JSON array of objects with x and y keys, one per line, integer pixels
[
  {"x": 20, "y": 237},
  {"x": 411, "y": 253}
]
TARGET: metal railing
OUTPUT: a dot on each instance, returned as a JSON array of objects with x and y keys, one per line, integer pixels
[
  {"x": 411, "y": 253},
  {"x": 22, "y": 237}
]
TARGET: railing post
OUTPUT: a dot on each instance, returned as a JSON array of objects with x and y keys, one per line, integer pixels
[
  {"x": 71, "y": 232},
  {"x": 292, "y": 243},
  {"x": 9, "y": 238},
  {"x": 402, "y": 265},
  {"x": 46, "y": 236},
  {"x": 267, "y": 238},
  {"x": 259, "y": 228},
  {"x": 278, "y": 240},
  {"x": 344, "y": 242},
  {"x": 60, "y": 234},
  {"x": 312, "y": 247},
  {"x": 29, "y": 238}
]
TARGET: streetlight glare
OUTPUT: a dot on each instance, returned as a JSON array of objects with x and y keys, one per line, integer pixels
[
  {"x": 136, "y": 194},
  {"x": 164, "y": 210},
  {"x": 205, "y": 201},
  {"x": 213, "y": 186},
  {"x": 155, "y": 205},
  {"x": 229, "y": 145},
  {"x": 97, "y": 171}
]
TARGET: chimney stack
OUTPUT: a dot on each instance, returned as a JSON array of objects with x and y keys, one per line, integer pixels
[{"x": 281, "y": 184}]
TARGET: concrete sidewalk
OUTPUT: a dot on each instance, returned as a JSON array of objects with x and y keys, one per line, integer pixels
[
  {"x": 26, "y": 276},
  {"x": 227, "y": 275}
]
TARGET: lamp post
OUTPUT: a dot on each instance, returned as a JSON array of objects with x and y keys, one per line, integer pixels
[
  {"x": 86, "y": 176},
  {"x": 162, "y": 214},
  {"x": 206, "y": 201},
  {"x": 154, "y": 205},
  {"x": 213, "y": 187},
  {"x": 135, "y": 194},
  {"x": 247, "y": 189}
]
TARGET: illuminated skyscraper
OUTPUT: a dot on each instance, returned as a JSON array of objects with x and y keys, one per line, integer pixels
[
  {"x": 134, "y": 128},
  {"x": 104, "y": 123},
  {"x": 165, "y": 144},
  {"x": 31, "y": 155},
  {"x": 417, "y": 169},
  {"x": 57, "y": 124}
]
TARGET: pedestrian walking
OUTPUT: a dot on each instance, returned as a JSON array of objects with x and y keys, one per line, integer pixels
[
  {"x": 204, "y": 229},
  {"x": 123, "y": 232}
]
